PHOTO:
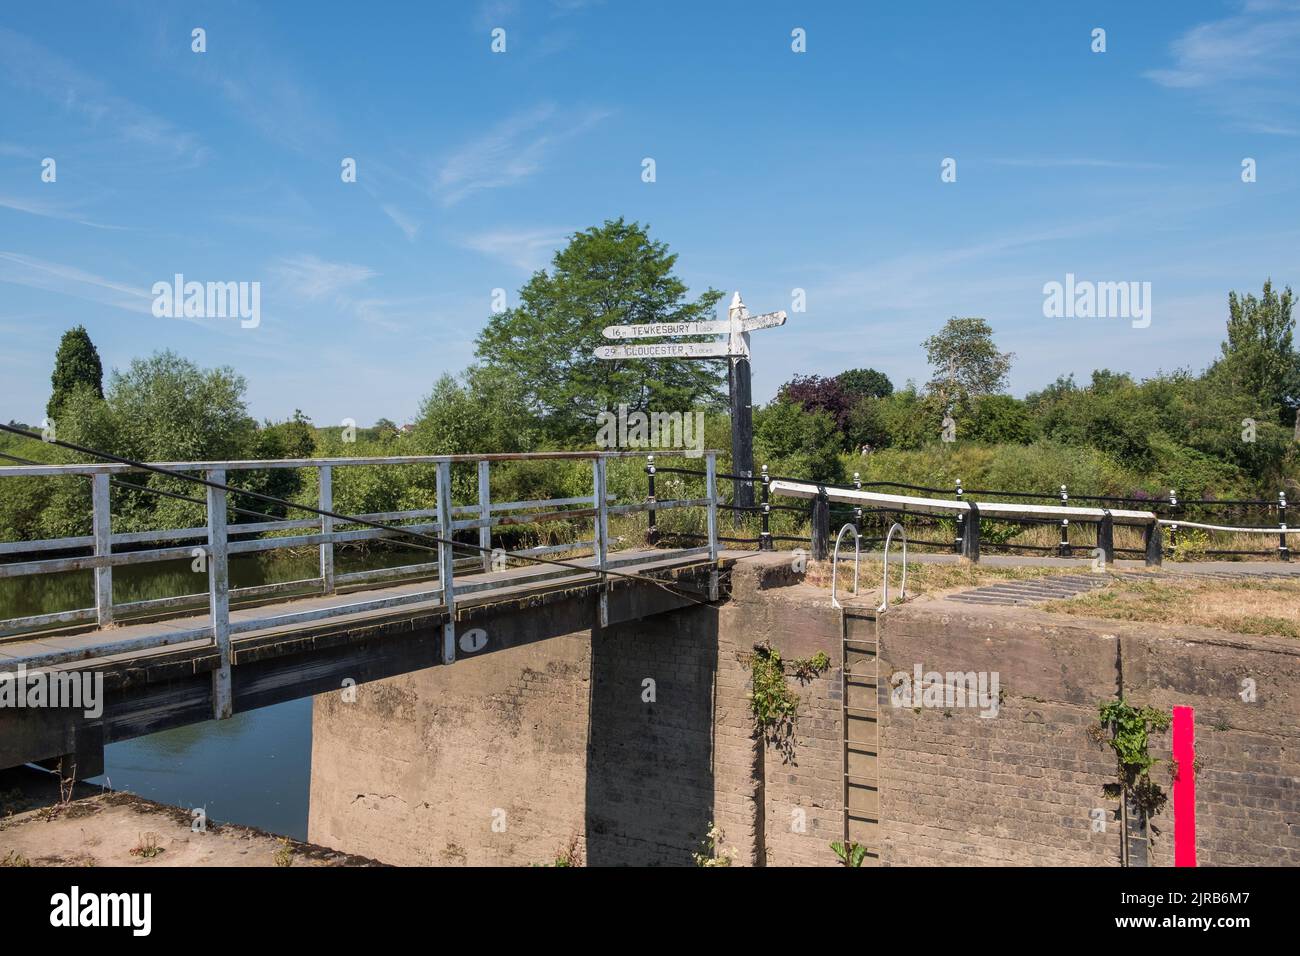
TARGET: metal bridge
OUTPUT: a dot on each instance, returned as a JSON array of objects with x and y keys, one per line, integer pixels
[{"x": 223, "y": 649}]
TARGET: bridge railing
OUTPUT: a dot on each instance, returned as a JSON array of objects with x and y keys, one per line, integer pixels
[{"x": 210, "y": 548}]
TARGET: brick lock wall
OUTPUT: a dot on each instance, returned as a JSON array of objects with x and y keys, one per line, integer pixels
[{"x": 558, "y": 736}]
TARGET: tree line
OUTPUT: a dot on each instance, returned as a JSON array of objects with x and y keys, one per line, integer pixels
[{"x": 1228, "y": 430}]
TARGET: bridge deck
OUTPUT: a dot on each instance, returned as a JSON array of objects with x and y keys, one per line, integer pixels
[{"x": 409, "y": 599}]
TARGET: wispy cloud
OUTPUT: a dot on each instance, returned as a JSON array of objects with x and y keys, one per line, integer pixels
[
  {"x": 1244, "y": 65},
  {"x": 20, "y": 269},
  {"x": 401, "y": 220},
  {"x": 28, "y": 66},
  {"x": 36, "y": 207},
  {"x": 309, "y": 277},
  {"x": 527, "y": 249},
  {"x": 513, "y": 151}
]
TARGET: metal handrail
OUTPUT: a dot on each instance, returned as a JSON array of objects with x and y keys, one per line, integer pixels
[
  {"x": 884, "y": 579},
  {"x": 835, "y": 562}
]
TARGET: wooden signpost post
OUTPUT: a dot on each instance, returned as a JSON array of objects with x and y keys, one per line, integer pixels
[{"x": 737, "y": 326}]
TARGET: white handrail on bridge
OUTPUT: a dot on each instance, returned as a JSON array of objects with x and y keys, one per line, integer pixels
[
  {"x": 989, "y": 509},
  {"x": 1283, "y": 529},
  {"x": 884, "y": 575},
  {"x": 835, "y": 562}
]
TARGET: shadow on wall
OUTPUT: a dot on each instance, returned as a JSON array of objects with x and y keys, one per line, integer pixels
[{"x": 650, "y": 779}]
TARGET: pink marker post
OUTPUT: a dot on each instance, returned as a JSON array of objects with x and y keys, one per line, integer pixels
[{"x": 1184, "y": 753}]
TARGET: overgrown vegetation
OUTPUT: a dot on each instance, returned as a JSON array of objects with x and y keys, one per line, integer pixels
[
  {"x": 1130, "y": 730},
  {"x": 774, "y": 704}
]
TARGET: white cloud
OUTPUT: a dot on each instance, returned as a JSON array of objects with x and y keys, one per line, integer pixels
[
  {"x": 527, "y": 249},
  {"x": 309, "y": 277},
  {"x": 513, "y": 151},
  {"x": 29, "y": 66},
  {"x": 35, "y": 207},
  {"x": 34, "y": 273},
  {"x": 1245, "y": 65},
  {"x": 400, "y": 219}
]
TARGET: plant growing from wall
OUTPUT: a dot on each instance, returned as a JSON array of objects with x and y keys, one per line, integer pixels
[
  {"x": 774, "y": 704},
  {"x": 1130, "y": 732},
  {"x": 710, "y": 852},
  {"x": 849, "y": 854}
]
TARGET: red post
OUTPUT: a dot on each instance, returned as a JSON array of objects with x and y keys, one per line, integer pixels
[{"x": 1184, "y": 752}]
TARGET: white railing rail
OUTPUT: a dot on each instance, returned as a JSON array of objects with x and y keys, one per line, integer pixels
[
  {"x": 835, "y": 562},
  {"x": 968, "y": 514},
  {"x": 884, "y": 571}
]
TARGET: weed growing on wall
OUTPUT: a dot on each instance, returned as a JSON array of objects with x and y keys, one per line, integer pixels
[
  {"x": 774, "y": 704},
  {"x": 1130, "y": 729}
]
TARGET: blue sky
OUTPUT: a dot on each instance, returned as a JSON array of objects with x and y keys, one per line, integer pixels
[{"x": 775, "y": 170}]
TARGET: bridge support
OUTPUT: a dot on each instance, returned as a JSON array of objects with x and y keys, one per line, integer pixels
[
  {"x": 85, "y": 760},
  {"x": 446, "y": 560},
  {"x": 103, "y": 547},
  {"x": 326, "y": 527},
  {"x": 601, "y": 502},
  {"x": 219, "y": 593},
  {"x": 485, "y": 513}
]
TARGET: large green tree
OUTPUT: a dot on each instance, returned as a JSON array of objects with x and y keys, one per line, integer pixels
[
  {"x": 613, "y": 274},
  {"x": 76, "y": 366},
  {"x": 965, "y": 361}
]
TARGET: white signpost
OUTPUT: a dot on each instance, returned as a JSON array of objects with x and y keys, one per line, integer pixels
[
  {"x": 665, "y": 350},
  {"x": 737, "y": 326}
]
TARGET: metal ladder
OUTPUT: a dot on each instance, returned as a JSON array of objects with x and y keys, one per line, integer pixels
[{"x": 860, "y": 690}]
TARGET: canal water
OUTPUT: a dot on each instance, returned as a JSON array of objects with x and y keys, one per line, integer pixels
[{"x": 253, "y": 769}]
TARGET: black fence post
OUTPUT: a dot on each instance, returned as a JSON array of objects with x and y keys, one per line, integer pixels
[
  {"x": 765, "y": 536},
  {"x": 652, "y": 531},
  {"x": 1063, "y": 549},
  {"x": 857, "y": 509},
  {"x": 821, "y": 526},
  {"x": 1106, "y": 536},
  {"x": 1173, "y": 514},
  {"x": 960, "y": 537},
  {"x": 1152, "y": 539},
  {"x": 1283, "y": 551},
  {"x": 970, "y": 543}
]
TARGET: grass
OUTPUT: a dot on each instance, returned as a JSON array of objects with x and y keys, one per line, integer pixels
[
  {"x": 1270, "y": 608},
  {"x": 926, "y": 578}
]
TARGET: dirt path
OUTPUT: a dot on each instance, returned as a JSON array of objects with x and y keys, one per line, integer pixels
[{"x": 120, "y": 829}]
